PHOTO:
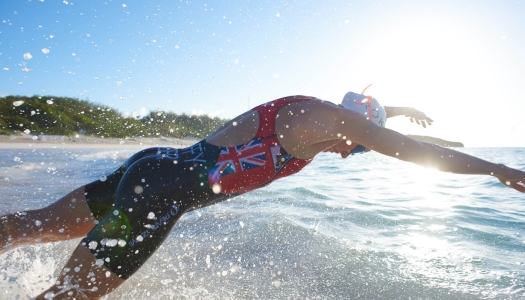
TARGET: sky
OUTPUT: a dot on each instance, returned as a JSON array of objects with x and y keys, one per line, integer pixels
[{"x": 460, "y": 62}]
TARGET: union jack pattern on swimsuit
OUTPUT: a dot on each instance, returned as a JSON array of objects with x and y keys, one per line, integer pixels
[{"x": 242, "y": 157}]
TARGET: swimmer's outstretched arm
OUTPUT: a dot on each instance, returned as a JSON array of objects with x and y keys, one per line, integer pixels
[
  {"x": 68, "y": 218},
  {"x": 309, "y": 128},
  {"x": 397, "y": 145}
]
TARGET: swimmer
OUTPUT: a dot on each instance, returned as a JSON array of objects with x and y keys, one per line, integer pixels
[{"x": 125, "y": 218}]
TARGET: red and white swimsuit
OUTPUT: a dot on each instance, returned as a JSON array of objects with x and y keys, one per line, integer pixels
[{"x": 260, "y": 161}]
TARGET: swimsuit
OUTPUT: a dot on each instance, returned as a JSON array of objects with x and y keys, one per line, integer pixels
[{"x": 137, "y": 206}]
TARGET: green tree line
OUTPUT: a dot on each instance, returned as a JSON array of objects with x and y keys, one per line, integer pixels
[{"x": 67, "y": 116}]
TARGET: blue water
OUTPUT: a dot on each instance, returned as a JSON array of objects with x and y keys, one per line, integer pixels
[{"x": 368, "y": 227}]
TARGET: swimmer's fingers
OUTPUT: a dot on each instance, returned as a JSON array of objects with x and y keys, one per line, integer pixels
[
  {"x": 518, "y": 185},
  {"x": 423, "y": 123},
  {"x": 420, "y": 117}
]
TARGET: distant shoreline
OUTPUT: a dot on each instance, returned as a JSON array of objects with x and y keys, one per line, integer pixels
[
  {"x": 27, "y": 141},
  {"x": 82, "y": 141},
  {"x": 437, "y": 141}
]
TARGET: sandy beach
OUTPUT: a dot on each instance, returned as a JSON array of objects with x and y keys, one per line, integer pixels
[{"x": 26, "y": 141}]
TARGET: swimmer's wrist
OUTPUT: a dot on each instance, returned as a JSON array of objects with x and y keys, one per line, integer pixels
[
  {"x": 500, "y": 171},
  {"x": 394, "y": 111}
]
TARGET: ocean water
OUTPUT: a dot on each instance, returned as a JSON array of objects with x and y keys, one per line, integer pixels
[{"x": 367, "y": 227}]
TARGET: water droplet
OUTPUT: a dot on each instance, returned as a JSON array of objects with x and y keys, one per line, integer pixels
[
  {"x": 138, "y": 190},
  {"x": 92, "y": 245},
  {"x": 102, "y": 178},
  {"x": 99, "y": 262},
  {"x": 143, "y": 180},
  {"x": 234, "y": 123},
  {"x": 115, "y": 212},
  {"x": 111, "y": 243},
  {"x": 208, "y": 260},
  {"x": 27, "y": 56},
  {"x": 241, "y": 223},
  {"x": 108, "y": 273},
  {"x": 27, "y": 131},
  {"x": 151, "y": 216},
  {"x": 45, "y": 50},
  {"x": 140, "y": 238},
  {"x": 77, "y": 269},
  {"x": 124, "y": 5},
  {"x": 18, "y": 103},
  {"x": 176, "y": 46},
  {"x": 276, "y": 284},
  {"x": 216, "y": 188},
  {"x": 61, "y": 230},
  {"x": 26, "y": 69},
  {"x": 348, "y": 142},
  {"x": 38, "y": 222},
  {"x": 121, "y": 243},
  {"x": 49, "y": 102}
]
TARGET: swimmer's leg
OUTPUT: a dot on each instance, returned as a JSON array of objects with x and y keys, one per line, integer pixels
[
  {"x": 68, "y": 218},
  {"x": 73, "y": 216},
  {"x": 151, "y": 197},
  {"x": 82, "y": 278}
]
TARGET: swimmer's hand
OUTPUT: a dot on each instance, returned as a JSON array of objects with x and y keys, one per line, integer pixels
[
  {"x": 512, "y": 178},
  {"x": 415, "y": 115},
  {"x": 418, "y": 116}
]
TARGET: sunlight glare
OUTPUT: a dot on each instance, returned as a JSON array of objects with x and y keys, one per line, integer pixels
[{"x": 424, "y": 186}]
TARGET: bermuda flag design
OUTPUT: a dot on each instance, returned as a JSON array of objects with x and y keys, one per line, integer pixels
[{"x": 239, "y": 158}]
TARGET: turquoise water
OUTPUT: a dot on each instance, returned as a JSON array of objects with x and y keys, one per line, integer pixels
[{"x": 367, "y": 227}]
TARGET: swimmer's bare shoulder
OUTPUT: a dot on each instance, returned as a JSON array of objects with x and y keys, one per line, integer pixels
[
  {"x": 306, "y": 128},
  {"x": 236, "y": 131}
]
